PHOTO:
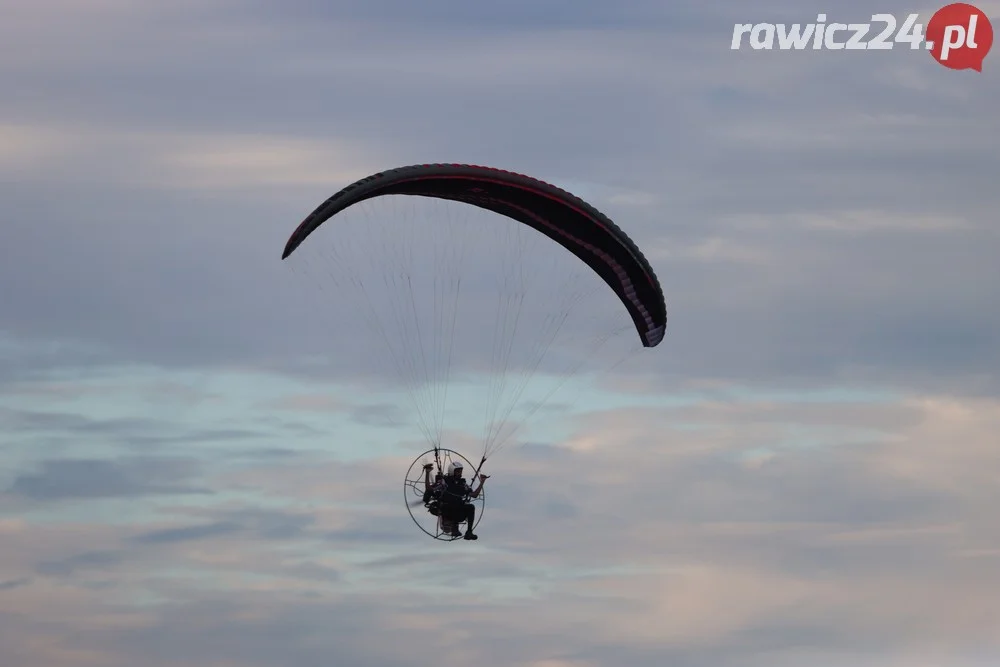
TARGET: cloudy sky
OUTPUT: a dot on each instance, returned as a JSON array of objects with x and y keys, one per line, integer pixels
[{"x": 200, "y": 468}]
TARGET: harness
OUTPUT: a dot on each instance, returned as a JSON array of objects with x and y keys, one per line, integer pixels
[{"x": 453, "y": 491}]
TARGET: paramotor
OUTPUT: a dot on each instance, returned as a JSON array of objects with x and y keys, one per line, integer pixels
[
  {"x": 428, "y": 516},
  {"x": 458, "y": 275}
]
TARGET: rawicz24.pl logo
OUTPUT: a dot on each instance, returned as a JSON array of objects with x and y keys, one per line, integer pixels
[{"x": 958, "y": 35}]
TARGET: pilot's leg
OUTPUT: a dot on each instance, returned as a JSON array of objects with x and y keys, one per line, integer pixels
[{"x": 470, "y": 518}]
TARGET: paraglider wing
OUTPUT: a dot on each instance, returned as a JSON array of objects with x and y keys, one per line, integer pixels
[{"x": 563, "y": 217}]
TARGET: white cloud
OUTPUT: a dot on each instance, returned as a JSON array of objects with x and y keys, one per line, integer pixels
[
  {"x": 712, "y": 249},
  {"x": 26, "y": 148},
  {"x": 161, "y": 159},
  {"x": 852, "y": 222}
]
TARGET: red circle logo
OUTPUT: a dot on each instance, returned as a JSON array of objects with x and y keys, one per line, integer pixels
[{"x": 960, "y": 36}]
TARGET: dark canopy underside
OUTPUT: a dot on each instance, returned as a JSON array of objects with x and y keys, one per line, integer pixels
[{"x": 563, "y": 217}]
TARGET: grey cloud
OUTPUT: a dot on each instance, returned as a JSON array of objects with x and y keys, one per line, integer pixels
[
  {"x": 11, "y": 584},
  {"x": 304, "y": 634},
  {"x": 798, "y": 487},
  {"x": 23, "y": 361},
  {"x": 258, "y": 523},
  {"x": 278, "y": 453},
  {"x": 34, "y": 421},
  {"x": 543, "y": 451},
  {"x": 314, "y": 571},
  {"x": 378, "y": 415},
  {"x": 408, "y": 560},
  {"x": 372, "y": 532},
  {"x": 518, "y": 15},
  {"x": 81, "y": 479},
  {"x": 139, "y": 433},
  {"x": 82, "y": 561},
  {"x": 273, "y": 525},
  {"x": 189, "y": 533}
]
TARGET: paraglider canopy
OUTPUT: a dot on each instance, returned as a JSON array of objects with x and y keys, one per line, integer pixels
[{"x": 563, "y": 217}]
